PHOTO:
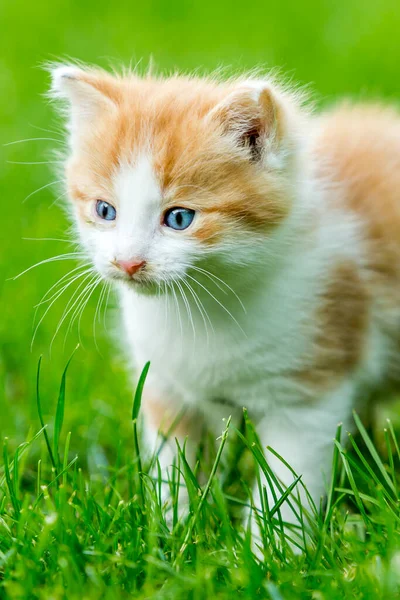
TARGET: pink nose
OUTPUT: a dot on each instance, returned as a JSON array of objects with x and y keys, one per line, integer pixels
[{"x": 131, "y": 266}]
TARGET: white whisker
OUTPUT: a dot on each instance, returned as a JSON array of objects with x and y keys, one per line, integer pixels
[
  {"x": 29, "y": 239},
  {"x": 188, "y": 309},
  {"x": 57, "y": 295},
  {"x": 37, "y": 162},
  {"x": 200, "y": 308},
  {"x": 166, "y": 310},
  {"x": 52, "y": 131},
  {"x": 67, "y": 256},
  {"x": 212, "y": 275},
  {"x": 109, "y": 290},
  {"x": 216, "y": 300},
  {"x": 42, "y": 188},
  {"x": 72, "y": 277},
  {"x": 77, "y": 305},
  {"x": 72, "y": 302},
  {"x": 37, "y": 139},
  {"x": 85, "y": 303},
  {"x": 171, "y": 286},
  {"x": 58, "y": 198},
  {"x": 97, "y": 314}
]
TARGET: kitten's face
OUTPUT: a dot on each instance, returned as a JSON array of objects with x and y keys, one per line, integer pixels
[{"x": 169, "y": 174}]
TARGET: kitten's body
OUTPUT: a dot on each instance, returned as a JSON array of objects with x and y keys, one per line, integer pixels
[
  {"x": 321, "y": 332},
  {"x": 309, "y": 245}
]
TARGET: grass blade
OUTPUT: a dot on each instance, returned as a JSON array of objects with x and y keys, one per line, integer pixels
[
  {"x": 204, "y": 495},
  {"x": 391, "y": 460},
  {"x": 137, "y": 400},
  {"x": 334, "y": 476},
  {"x": 394, "y": 437},
  {"x": 353, "y": 485},
  {"x": 59, "y": 419},
  {"x": 9, "y": 481},
  {"x": 370, "y": 472},
  {"x": 39, "y": 409},
  {"x": 373, "y": 452}
]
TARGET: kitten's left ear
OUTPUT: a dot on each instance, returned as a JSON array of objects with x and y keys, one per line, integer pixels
[
  {"x": 88, "y": 95},
  {"x": 256, "y": 116}
]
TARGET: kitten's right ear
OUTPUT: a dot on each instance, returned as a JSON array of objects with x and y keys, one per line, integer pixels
[
  {"x": 86, "y": 94},
  {"x": 262, "y": 118}
]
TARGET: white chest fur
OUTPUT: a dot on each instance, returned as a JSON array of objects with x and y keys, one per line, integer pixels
[{"x": 243, "y": 356}]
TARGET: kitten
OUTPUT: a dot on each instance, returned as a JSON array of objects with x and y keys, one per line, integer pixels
[{"x": 255, "y": 247}]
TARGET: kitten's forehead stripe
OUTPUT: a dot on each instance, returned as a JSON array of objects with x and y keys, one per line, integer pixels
[{"x": 136, "y": 183}]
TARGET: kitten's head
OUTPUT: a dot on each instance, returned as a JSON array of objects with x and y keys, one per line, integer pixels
[{"x": 167, "y": 173}]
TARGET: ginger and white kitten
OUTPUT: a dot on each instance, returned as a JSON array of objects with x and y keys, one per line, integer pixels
[{"x": 255, "y": 247}]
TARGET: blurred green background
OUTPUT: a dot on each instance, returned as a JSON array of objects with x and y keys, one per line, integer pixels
[{"x": 339, "y": 48}]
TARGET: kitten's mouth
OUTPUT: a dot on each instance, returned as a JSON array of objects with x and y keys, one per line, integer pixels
[
  {"x": 137, "y": 279},
  {"x": 142, "y": 282},
  {"x": 142, "y": 285}
]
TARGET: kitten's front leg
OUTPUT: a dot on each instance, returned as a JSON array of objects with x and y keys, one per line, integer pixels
[
  {"x": 303, "y": 436},
  {"x": 166, "y": 420}
]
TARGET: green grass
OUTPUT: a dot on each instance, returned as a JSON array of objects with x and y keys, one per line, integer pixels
[
  {"x": 88, "y": 530},
  {"x": 67, "y": 534}
]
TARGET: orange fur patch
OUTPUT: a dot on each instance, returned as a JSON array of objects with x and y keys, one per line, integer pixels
[
  {"x": 360, "y": 150},
  {"x": 360, "y": 147},
  {"x": 341, "y": 327},
  {"x": 169, "y": 419}
]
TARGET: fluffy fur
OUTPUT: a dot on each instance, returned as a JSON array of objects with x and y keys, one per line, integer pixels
[{"x": 283, "y": 295}]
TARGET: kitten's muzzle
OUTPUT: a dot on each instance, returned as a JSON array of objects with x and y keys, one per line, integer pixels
[{"x": 130, "y": 267}]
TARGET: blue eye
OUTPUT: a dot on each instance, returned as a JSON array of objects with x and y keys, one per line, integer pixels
[
  {"x": 105, "y": 211},
  {"x": 178, "y": 218}
]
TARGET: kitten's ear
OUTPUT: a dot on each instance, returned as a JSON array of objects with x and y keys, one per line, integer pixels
[
  {"x": 256, "y": 116},
  {"x": 87, "y": 94}
]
